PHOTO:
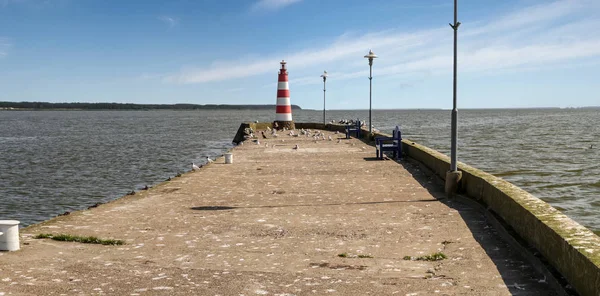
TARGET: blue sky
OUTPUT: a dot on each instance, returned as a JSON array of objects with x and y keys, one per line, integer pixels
[{"x": 512, "y": 53}]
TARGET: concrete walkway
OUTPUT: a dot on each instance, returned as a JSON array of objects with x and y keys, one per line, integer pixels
[{"x": 275, "y": 222}]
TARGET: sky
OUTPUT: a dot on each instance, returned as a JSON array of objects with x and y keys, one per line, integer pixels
[{"x": 511, "y": 53}]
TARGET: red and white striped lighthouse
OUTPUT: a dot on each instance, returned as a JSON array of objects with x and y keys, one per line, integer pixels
[{"x": 283, "y": 118}]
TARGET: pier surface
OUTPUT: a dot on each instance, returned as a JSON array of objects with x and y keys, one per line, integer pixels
[{"x": 326, "y": 218}]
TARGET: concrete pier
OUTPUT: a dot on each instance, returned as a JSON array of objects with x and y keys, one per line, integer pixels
[{"x": 325, "y": 218}]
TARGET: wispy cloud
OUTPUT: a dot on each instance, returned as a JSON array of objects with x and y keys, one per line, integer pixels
[
  {"x": 271, "y": 5},
  {"x": 542, "y": 14},
  {"x": 345, "y": 47},
  {"x": 171, "y": 22},
  {"x": 554, "y": 33}
]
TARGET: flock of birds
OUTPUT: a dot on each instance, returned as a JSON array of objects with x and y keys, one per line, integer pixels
[
  {"x": 317, "y": 135},
  {"x": 346, "y": 121},
  {"x": 353, "y": 122}
]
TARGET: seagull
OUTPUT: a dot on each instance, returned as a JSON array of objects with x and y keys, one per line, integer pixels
[
  {"x": 263, "y": 135},
  {"x": 257, "y": 142},
  {"x": 330, "y": 139},
  {"x": 296, "y": 147},
  {"x": 195, "y": 167},
  {"x": 208, "y": 160},
  {"x": 267, "y": 145}
]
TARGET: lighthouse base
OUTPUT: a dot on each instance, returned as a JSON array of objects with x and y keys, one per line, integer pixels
[{"x": 279, "y": 125}]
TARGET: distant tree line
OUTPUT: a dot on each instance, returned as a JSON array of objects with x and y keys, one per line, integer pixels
[{"x": 128, "y": 106}]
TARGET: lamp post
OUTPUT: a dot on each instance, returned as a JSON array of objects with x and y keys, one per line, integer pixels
[
  {"x": 454, "y": 110},
  {"x": 453, "y": 176},
  {"x": 370, "y": 56},
  {"x": 324, "y": 79}
]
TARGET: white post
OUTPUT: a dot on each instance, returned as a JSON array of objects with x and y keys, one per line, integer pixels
[{"x": 9, "y": 235}]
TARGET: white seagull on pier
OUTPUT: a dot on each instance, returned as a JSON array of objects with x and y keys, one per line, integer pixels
[
  {"x": 195, "y": 167},
  {"x": 208, "y": 160}
]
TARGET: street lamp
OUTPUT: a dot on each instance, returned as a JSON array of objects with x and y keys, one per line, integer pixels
[
  {"x": 370, "y": 56},
  {"x": 453, "y": 176},
  {"x": 324, "y": 79}
]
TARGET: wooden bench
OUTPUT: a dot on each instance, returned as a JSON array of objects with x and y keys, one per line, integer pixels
[
  {"x": 353, "y": 129},
  {"x": 393, "y": 143}
]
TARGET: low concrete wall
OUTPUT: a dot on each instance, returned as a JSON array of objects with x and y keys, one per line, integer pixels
[{"x": 568, "y": 246}]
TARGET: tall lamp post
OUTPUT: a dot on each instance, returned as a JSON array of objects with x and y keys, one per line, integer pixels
[
  {"x": 370, "y": 56},
  {"x": 324, "y": 79},
  {"x": 453, "y": 176}
]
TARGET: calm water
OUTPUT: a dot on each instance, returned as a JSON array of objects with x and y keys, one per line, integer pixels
[{"x": 57, "y": 161}]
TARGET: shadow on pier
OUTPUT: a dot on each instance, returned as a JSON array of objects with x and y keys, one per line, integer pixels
[
  {"x": 221, "y": 208},
  {"x": 512, "y": 264}
]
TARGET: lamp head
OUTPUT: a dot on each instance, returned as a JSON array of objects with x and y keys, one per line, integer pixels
[
  {"x": 324, "y": 75},
  {"x": 371, "y": 55}
]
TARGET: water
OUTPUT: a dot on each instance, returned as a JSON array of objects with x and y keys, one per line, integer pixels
[{"x": 57, "y": 161}]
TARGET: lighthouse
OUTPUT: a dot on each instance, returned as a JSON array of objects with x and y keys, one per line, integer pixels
[{"x": 283, "y": 117}]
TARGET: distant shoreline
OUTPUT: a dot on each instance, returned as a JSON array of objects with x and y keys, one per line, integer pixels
[
  {"x": 45, "y": 106},
  {"x": 30, "y": 106}
]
